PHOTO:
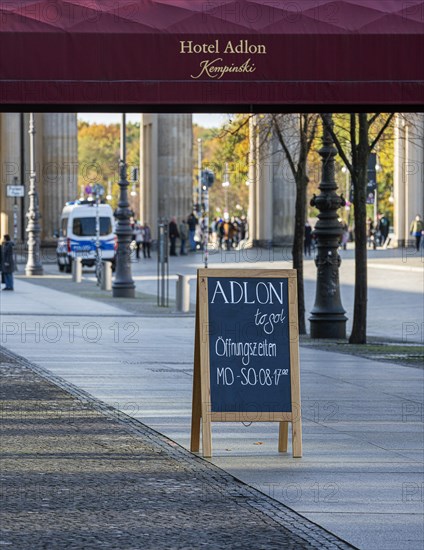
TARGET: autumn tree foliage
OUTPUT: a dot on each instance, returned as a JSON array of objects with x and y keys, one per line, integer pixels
[{"x": 98, "y": 154}]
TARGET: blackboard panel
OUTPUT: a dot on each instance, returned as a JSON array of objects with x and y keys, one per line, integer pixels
[{"x": 249, "y": 344}]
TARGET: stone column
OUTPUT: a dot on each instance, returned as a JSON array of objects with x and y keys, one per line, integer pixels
[
  {"x": 409, "y": 174},
  {"x": 414, "y": 169},
  {"x": 60, "y": 167},
  {"x": 274, "y": 193},
  {"x": 166, "y": 167},
  {"x": 399, "y": 182},
  {"x": 263, "y": 191},
  {"x": 251, "y": 216},
  {"x": 10, "y": 158},
  {"x": 284, "y": 185},
  {"x": 175, "y": 165},
  {"x": 149, "y": 171}
]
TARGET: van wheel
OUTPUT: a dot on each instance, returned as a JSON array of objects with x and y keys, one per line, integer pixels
[{"x": 68, "y": 267}]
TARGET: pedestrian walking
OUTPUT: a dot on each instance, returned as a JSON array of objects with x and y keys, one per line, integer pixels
[
  {"x": 1, "y": 266},
  {"x": 173, "y": 236},
  {"x": 345, "y": 236},
  {"x": 371, "y": 234},
  {"x": 183, "y": 230},
  {"x": 308, "y": 239},
  {"x": 220, "y": 233},
  {"x": 192, "y": 222},
  {"x": 8, "y": 262},
  {"x": 138, "y": 240},
  {"x": 243, "y": 228},
  {"x": 416, "y": 230},
  {"x": 147, "y": 240},
  {"x": 214, "y": 226},
  {"x": 383, "y": 227},
  {"x": 227, "y": 227}
]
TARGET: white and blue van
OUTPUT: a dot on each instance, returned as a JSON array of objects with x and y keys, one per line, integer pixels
[{"x": 77, "y": 234}]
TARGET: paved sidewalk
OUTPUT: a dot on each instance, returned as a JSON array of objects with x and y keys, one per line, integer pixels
[
  {"x": 77, "y": 475},
  {"x": 362, "y": 471},
  {"x": 395, "y": 285}
]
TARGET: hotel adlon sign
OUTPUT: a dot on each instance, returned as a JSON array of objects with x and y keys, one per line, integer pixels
[{"x": 214, "y": 61}]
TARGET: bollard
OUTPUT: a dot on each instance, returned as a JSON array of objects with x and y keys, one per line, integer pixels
[
  {"x": 183, "y": 293},
  {"x": 77, "y": 270},
  {"x": 106, "y": 275}
]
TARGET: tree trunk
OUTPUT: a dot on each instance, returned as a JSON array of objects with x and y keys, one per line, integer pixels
[
  {"x": 359, "y": 328},
  {"x": 298, "y": 243}
]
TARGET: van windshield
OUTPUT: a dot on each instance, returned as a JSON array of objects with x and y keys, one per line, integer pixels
[{"x": 86, "y": 227}]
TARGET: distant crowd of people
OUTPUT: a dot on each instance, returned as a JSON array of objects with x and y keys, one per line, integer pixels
[
  {"x": 225, "y": 233},
  {"x": 228, "y": 233},
  {"x": 188, "y": 234},
  {"x": 377, "y": 233}
]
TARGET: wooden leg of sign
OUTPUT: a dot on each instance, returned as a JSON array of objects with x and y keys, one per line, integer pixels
[
  {"x": 297, "y": 436},
  {"x": 294, "y": 371},
  {"x": 206, "y": 436},
  {"x": 196, "y": 410},
  {"x": 283, "y": 437},
  {"x": 196, "y": 407},
  {"x": 203, "y": 335}
]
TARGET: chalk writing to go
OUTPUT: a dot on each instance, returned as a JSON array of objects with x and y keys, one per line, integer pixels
[
  {"x": 268, "y": 320},
  {"x": 250, "y": 377}
]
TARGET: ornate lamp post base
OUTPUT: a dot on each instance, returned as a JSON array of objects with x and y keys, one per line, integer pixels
[
  {"x": 328, "y": 326},
  {"x": 29, "y": 271},
  {"x": 328, "y": 319},
  {"x": 123, "y": 290}
]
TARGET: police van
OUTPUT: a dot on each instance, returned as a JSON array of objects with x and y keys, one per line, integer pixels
[{"x": 77, "y": 234}]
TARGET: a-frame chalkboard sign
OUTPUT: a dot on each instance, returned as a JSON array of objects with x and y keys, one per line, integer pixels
[{"x": 246, "y": 353}]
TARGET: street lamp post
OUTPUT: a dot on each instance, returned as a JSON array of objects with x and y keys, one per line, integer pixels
[
  {"x": 347, "y": 195},
  {"x": 123, "y": 285},
  {"x": 33, "y": 265},
  {"x": 226, "y": 185},
  {"x": 328, "y": 318},
  {"x": 199, "y": 183}
]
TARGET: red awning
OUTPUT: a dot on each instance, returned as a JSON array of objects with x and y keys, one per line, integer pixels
[{"x": 212, "y": 52}]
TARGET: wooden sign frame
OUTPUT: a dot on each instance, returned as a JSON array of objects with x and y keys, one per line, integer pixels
[{"x": 202, "y": 415}]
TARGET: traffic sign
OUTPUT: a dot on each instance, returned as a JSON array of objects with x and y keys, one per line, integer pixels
[
  {"x": 15, "y": 190},
  {"x": 98, "y": 190}
]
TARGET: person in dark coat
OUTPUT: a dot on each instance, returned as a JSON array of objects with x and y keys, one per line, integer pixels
[
  {"x": 8, "y": 262},
  {"x": 416, "y": 230},
  {"x": 183, "y": 230},
  {"x": 383, "y": 228},
  {"x": 192, "y": 221},
  {"x": 147, "y": 240},
  {"x": 308, "y": 239},
  {"x": 173, "y": 236}
]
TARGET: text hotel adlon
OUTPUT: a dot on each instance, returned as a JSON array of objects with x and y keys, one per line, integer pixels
[
  {"x": 216, "y": 66},
  {"x": 241, "y": 47}
]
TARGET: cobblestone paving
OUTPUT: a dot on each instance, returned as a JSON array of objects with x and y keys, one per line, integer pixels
[{"x": 77, "y": 474}]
